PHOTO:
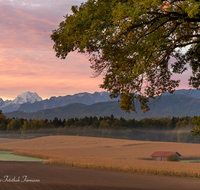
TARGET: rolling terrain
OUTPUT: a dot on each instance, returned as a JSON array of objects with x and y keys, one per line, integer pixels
[
  {"x": 168, "y": 105},
  {"x": 108, "y": 154}
]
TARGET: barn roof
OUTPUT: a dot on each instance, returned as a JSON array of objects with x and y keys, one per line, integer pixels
[{"x": 164, "y": 153}]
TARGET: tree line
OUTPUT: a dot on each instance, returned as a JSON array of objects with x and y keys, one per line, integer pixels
[{"x": 175, "y": 129}]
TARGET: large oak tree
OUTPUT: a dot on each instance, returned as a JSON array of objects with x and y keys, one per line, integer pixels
[{"x": 131, "y": 42}]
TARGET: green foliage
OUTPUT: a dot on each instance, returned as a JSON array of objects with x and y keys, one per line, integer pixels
[
  {"x": 153, "y": 129},
  {"x": 104, "y": 124},
  {"x": 33, "y": 124},
  {"x": 3, "y": 126},
  {"x": 69, "y": 122},
  {"x": 173, "y": 157},
  {"x": 15, "y": 124},
  {"x": 196, "y": 130},
  {"x": 95, "y": 124},
  {"x": 132, "y": 42}
]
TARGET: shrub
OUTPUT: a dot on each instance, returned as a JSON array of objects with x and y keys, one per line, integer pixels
[{"x": 173, "y": 157}]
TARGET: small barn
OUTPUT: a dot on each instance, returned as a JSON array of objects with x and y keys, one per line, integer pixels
[{"x": 162, "y": 155}]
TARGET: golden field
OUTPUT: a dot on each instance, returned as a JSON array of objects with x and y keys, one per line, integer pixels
[{"x": 108, "y": 154}]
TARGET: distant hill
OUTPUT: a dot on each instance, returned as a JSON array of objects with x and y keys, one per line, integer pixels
[
  {"x": 187, "y": 92},
  {"x": 168, "y": 105},
  {"x": 31, "y": 102},
  {"x": 53, "y": 102}
]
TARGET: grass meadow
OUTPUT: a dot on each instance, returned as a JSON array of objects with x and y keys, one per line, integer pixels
[
  {"x": 8, "y": 156},
  {"x": 108, "y": 154}
]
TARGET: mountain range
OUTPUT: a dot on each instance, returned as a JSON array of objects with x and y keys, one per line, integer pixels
[
  {"x": 53, "y": 102},
  {"x": 170, "y": 105},
  {"x": 181, "y": 103},
  {"x": 31, "y": 102}
]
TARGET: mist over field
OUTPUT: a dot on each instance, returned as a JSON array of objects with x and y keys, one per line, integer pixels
[{"x": 175, "y": 135}]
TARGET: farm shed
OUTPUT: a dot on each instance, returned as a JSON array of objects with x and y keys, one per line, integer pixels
[{"x": 162, "y": 155}]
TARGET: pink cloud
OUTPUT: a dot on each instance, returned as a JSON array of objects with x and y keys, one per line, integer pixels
[
  {"x": 27, "y": 59},
  {"x": 58, "y": 77},
  {"x": 28, "y": 24}
]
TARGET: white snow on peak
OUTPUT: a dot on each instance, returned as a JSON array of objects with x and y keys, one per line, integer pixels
[
  {"x": 80, "y": 95},
  {"x": 102, "y": 93},
  {"x": 26, "y": 97}
]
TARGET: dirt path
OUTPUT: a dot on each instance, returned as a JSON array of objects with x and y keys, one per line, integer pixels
[{"x": 63, "y": 178}]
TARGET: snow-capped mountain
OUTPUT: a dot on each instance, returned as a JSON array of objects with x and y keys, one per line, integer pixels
[
  {"x": 53, "y": 102},
  {"x": 31, "y": 102},
  {"x": 26, "y": 97}
]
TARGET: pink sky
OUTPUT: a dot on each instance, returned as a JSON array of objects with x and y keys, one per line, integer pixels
[{"x": 27, "y": 59}]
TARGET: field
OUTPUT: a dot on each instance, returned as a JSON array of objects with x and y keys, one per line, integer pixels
[
  {"x": 67, "y": 178},
  {"x": 108, "y": 154},
  {"x": 8, "y": 156}
]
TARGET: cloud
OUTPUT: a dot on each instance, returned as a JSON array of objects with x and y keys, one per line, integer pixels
[
  {"x": 27, "y": 59},
  {"x": 44, "y": 73},
  {"x": 28, "y": 24}
]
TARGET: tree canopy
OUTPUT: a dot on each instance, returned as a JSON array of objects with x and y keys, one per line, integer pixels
[{"x": 131, "y": 43}]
